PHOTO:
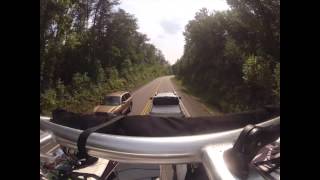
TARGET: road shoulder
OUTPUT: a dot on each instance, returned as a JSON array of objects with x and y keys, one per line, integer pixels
[{"x": 203, "y": 109}]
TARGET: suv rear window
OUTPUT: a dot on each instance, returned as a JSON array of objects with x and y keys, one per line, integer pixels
[
  {"x": 111, "y": 100},
  {"x": 165, "y": 101},
  {"x": 127, "y": 95}
]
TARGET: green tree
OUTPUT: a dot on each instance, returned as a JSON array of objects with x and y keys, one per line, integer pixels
[
  {"x": 87, "y": 49},
  {"x": 232, "y": 57}
]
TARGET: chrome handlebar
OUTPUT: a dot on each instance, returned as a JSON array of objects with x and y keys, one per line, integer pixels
[{"x": 205, "y": 148}]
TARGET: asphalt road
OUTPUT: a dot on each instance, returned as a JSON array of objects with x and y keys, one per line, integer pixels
[{"x": 142, "y": 102}]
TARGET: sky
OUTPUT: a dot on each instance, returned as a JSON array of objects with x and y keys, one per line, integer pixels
[{"x": 163, "y": 21}]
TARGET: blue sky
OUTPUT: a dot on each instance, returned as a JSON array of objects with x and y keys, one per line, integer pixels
[{"x": 163, "y": 21}]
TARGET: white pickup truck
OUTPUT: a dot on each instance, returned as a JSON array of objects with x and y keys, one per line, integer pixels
[{"x": 167, "y": 104}]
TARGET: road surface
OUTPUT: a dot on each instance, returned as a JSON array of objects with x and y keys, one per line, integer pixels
[{"x": 142, "y": 102}]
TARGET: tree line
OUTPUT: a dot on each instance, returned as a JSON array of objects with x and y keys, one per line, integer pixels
[
  {"x": 232, "y": 58},
  {"x": 89, "y": 48}
]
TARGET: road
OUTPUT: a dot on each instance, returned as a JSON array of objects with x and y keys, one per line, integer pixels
[{"x": 142, "y": 102}]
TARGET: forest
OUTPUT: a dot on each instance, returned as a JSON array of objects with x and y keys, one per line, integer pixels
[
  {"x": 232, "y": 58},
  {"x": 89, "y": 48}
]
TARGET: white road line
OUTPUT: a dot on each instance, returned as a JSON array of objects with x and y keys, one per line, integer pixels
[{"x": 183, "y": 107}]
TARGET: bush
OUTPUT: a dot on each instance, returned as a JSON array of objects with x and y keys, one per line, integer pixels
[
  {"x": 48, "y": 101},
  {"x": 257, "y": 72},
  {"x": 258, "y": 76},
  {"x": 83, "y": 94}
]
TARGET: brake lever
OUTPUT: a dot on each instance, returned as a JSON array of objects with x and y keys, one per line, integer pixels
[{"x": 248, "y": 144}]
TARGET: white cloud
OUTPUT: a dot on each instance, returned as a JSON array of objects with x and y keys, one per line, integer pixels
[
  {"x": 170, "y": 26},
  {"x": 163, "y": 21}
]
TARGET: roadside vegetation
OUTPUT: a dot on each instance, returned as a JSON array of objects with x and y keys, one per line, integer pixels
[
  {"x": 232, "y": 58},
  {"x": 199, "y": 97},
  {"x": 88, "y": 49}
]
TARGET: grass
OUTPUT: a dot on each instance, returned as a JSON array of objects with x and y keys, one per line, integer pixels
[{"x": 202, "y": 98}]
